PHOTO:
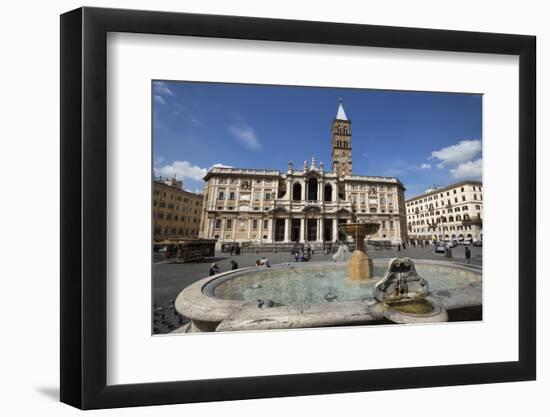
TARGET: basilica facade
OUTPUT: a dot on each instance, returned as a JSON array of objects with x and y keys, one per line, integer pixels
[{"x": 305, "y": 204}]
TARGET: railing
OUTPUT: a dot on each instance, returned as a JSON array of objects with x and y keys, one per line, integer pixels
[
  {"x": 244, "y": 171},
  {"x": 472, "y": 222}
]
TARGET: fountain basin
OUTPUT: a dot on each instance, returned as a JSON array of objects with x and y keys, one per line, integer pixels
[
  {"x": 312, "y": 295},
  {"x": 359, "y": 230},
  {"x": 416, "y": 311}
]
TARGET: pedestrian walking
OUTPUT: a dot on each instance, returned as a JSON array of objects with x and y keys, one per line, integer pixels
[
  {"x": 467, "y": 254},
  {"x": 399, "y": 247}
]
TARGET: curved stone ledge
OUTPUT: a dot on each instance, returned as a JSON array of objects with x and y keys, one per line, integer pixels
[
  {"x": 207, "y": 313},
  {"x": 311, "y": 315}
]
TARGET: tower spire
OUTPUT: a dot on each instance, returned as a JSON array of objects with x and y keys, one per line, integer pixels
[
  {"x": 341, "y": 114},
  {"x": 341, "y": 142}
]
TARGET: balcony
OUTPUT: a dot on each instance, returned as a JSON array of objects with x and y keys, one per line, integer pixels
[{"x": 473, "y": 222}]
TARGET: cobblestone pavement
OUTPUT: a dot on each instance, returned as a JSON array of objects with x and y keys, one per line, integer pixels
[{"x": 170, "y": 278}]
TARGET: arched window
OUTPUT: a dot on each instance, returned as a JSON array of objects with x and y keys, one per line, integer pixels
[
  {"x": 328, "y": 192},
  {"x": 341, "y": 192},
  {"x": 312, "y": 188},
  {"x": 297, "y": 191}
]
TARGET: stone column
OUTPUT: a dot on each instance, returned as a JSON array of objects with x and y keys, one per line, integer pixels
[
  {"x": 334, "y": 229},
  {"x": 206, "y": 227},
  {"x": 287, "y": 221},
  {"x": 302, "y": 229},
  {"x": 273, "y": 228},
  {"x": 320, "y": 230}
]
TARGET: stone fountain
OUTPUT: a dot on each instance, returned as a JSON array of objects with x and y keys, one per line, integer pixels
[
  {"x": 360, "y": 267},
  {"x": 320, "y": 294},
  {"x": 403, "y": 295}
]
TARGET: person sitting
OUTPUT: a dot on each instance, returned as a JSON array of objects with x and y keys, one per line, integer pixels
[
  {"x": 265, "y": 262},
  {"x": 214, "y": 269},
  {"x": 234, "y": 265}
]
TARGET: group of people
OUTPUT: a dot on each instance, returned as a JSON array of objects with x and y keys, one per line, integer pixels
[
  {"x": 235, "y": 250},
  {"x": 302, "y": 257},
  {"x": 215, "y": 269},
  {"x": 401, "y": 245},
  {"x": 304, "y": 254}
]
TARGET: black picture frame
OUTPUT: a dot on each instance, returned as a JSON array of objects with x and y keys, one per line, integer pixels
[{"x": 84, "y": 207}]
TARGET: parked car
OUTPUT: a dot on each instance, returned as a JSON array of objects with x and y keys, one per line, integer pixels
[
  {"x": 452, "y": 244},
  {"x": 478, "y": 243},
  {"x": 466, "y": 242},
  {"x": 440, "y": 247}
]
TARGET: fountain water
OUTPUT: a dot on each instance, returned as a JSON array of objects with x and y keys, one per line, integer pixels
[{"x": 301, "y": 295}]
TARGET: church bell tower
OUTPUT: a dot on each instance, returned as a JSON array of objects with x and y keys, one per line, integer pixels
[{"x": 341, "y": 142}]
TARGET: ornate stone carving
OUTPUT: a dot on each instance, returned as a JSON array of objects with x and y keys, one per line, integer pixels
[
  {"x": 401, "y": 282},
  {"x": 313, "y": 163}
]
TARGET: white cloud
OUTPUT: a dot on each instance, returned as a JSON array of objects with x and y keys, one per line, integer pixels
[
  {"x": 158, "y": 99},
  {"x": 246, "y": 136},
  {"x": 219, "y": 166},
  {"x": 425, "y": 166},
  {"x": 440, "y": 166},
  {"x": 161, "y": 88},
  {"x": 463, "y": 151},
  {"x": 470, "y": 169},
  {"x": 182, "y": 169}
]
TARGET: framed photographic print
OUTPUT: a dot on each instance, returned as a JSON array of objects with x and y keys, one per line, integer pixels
[{"x": 257, "y": 208}]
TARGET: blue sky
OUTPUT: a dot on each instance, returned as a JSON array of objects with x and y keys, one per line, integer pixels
[{"x": 421, "y": 138}]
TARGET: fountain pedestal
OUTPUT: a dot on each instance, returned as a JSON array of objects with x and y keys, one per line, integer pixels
[{"x": 360, "y": 264}]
